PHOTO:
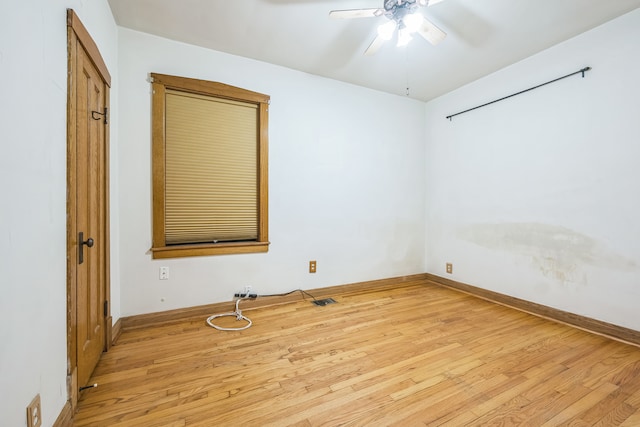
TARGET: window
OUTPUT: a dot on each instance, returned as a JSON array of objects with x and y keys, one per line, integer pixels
[{"x": 209, "y": 166}]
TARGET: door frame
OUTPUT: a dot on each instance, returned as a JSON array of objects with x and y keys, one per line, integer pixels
[{"x": 76, "y": 32}]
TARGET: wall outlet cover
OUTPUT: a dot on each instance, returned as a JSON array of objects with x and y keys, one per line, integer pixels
[{"x": 34, "y": 413}]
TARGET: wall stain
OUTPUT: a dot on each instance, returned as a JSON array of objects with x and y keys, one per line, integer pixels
[{"x": 557, "y": 252}]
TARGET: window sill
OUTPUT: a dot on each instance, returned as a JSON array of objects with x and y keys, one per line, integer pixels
[{"x": 181, "y": 251}]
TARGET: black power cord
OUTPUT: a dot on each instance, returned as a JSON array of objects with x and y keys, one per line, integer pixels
[{"x": 289, "y": 293}]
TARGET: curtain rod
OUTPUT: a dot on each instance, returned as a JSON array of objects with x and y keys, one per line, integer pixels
[{"x": 584, "y": 70}]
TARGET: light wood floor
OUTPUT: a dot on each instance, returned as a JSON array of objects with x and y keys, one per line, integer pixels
[{"x": 415, "y": 355}]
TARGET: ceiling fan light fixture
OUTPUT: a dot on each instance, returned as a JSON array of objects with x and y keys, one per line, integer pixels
[
  {"x": 413, "y": 21},
  {"x": 404, "y": 36},
  {"x": 385, "y": 31},
  {"x": 401, "y": 15}
]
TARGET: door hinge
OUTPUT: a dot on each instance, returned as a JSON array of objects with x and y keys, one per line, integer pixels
[
  {"x": 106, "y": 308},
  {"x": 104, "y": 115}
]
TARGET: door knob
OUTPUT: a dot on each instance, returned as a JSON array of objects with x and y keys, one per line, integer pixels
[{"x": 89, "y": 242}]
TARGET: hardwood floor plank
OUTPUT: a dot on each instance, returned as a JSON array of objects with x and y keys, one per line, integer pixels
[
  {"x": 632, "y": 421},
  {"x": 613, "y": 417},
  {"x": 442, "y": 407},
  {"x": 580, "y": 405}
]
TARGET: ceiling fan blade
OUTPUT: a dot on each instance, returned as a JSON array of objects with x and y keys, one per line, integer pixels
[
  {"x": 430, "y": 32},
  {"x": 375, "y": 45},
  {"x": 356, "y": 13}
]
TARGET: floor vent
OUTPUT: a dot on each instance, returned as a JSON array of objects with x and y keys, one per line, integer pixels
[{"x": 323, "y": 302}]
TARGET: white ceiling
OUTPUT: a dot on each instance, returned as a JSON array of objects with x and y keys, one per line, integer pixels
[{"x": 483, "y": 36}]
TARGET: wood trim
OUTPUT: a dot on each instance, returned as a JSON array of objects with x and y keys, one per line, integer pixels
[
  {"x": 71, "y": 205},
  {"x": 108, "y": 336},
  {"x": 157, "y": 163},
  {"x": 178, "y": 251},
  {"x": 619, "y": 333},
  {"x": 72, "y": 389},
  {"x": 203, "y": 311},
  {"x": 205, "y": 87},
  {"x": 90, "y": 46},
  {"x": 66, "y": 416},
  {"x": 107, "y": 222},
  {"x": 116, "y": 331},
  {"x": 263, "y": 174},
  {"x": 160, "y": 83}
]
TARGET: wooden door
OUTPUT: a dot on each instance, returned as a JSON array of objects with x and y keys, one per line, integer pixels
[
  {"x": 87, "y": 155},
  {"x": 90, "y": 224}
]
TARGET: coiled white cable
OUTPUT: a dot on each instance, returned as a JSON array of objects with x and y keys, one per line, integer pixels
[{"x": 238, "y": 315}]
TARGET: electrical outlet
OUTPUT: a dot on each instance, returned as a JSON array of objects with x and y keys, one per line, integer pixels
[
  {"x": 164, "y": 273},
  {"x": 449, "y": 268},
  {"x": 34, "y": 413},
  {"x": 312, "y": 266},
  {"x": 246, "y": 293}
]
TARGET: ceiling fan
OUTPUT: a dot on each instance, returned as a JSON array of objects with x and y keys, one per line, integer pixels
[{"x": 402, "y": 15}]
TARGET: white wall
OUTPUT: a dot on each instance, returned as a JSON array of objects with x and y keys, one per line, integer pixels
[
  {"x": 346, "y": 182},
  {"x": 33, "y": 98},
  {"x": 537, "y": 196}
]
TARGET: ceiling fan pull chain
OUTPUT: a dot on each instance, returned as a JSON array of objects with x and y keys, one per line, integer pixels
[{"x": 406, "y": 69}]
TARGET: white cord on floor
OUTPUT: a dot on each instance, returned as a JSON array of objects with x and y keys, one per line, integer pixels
[{"x": 238, "y": 315}]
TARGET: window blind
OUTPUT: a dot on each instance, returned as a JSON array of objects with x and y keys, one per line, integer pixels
[{"x": 211, "y": 169}]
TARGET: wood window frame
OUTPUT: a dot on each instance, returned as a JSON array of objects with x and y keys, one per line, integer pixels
[{"x": 160, "y": 83}]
